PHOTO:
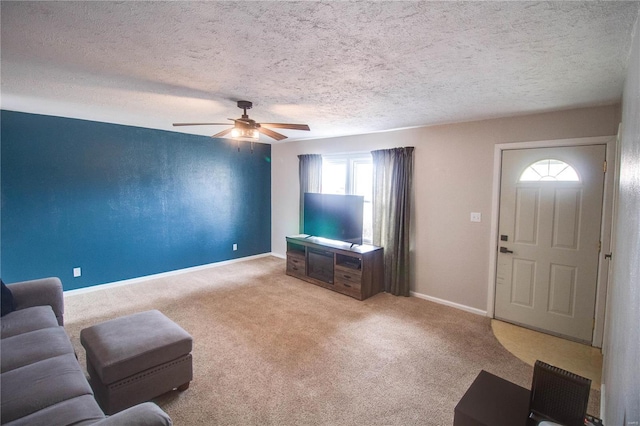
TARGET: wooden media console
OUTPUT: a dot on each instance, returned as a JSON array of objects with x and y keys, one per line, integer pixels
[{"x": 354, "y": 270}]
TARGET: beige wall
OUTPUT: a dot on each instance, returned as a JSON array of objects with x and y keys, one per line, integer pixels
[
  {"x": 621, "y": 369},
  {"x": 453, "y": 177}
]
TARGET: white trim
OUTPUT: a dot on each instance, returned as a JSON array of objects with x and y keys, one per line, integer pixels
[
  {"x": 596, "y": 140},
  {"x": 614, "y": 216},
  {"x": 610, "y": 142},
  {"x": 451, "y": 304},
  {"x": 611, "y": 179},
  {"x": 162, "y": 275},
  {"x": 602, "y": 415},
  {"x": 493, "y": 240}
]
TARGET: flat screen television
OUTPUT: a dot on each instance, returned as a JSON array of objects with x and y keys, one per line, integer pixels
[{"x": 336, "y": 217}]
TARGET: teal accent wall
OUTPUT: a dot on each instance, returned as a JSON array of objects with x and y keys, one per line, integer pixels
[{"x": 122, "y": 202}]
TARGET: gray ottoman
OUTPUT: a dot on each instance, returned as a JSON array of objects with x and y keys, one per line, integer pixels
[{"x": 135, "y": 358}]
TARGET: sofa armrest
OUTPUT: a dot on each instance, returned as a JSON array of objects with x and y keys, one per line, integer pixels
[
  {"x": 145, "y": 414},
  {"x": 41, "y": 292}
]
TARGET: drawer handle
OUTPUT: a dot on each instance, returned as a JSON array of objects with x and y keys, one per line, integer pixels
[
  {"x": 347, "y": 276},
  {"x": 346, "y": 285},
  {"x": 294, "y": 268},
  {"x": 294, "y": 261}
]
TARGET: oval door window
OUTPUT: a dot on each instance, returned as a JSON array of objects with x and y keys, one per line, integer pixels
[{"x": 549, "y": 170}]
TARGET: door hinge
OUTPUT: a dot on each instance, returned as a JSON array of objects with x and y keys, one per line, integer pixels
[
  {"x": 599, "y": 246},
  {"x": 604, "y": 166},
  {"x": 593, "y": 326}
]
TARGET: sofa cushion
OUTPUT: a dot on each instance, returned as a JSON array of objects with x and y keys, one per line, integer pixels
[
  {"x": 28, "y": 348},
  {"x": 34, "y": 387},
  {"x": 7, "y": 299},
  {"x": 81, "y": 410},
  {"x": 40, "y": 292},
  {"x": 26, "y": 320},
  {"x": 145, "y": 414}
]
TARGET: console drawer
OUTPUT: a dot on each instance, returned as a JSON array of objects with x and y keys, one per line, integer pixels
[
  {"x": 295, "y": 265},
  {"x": 348, "y": 280},
  {"x": 348, "y": 275}
]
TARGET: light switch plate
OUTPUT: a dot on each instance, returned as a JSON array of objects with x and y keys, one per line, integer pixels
[
  {"x": 77, "y": 272},
  {"x": 476, "y": 217}
]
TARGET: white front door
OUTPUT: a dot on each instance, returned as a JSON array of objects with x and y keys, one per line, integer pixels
[{"x": 549, "y": 238}]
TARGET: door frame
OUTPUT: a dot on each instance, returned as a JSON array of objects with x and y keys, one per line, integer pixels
[{"x": 605, "y": 229}]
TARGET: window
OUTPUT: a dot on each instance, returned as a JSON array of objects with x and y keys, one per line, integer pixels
[
  {"x": 351, "y": 174},
  {"x": 549, "y": 170}
]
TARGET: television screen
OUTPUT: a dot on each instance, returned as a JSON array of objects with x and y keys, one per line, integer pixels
[{"x": 336, "y": 217}]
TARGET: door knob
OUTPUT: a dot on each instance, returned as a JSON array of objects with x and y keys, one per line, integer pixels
[{"x": 505, "y": 250}]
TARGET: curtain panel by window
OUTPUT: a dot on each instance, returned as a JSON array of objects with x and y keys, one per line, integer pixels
[
  {"x": 392, "y": 187},
  {"x": 310, "y": 175}
]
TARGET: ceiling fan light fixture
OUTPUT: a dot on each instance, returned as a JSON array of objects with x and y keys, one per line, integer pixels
[{"x": 240, "y": 134}]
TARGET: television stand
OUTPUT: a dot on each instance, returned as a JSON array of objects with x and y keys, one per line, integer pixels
[{"x": 357, "y": 271}]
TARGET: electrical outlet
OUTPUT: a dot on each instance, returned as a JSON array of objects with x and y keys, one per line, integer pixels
[
  {"x": 476, "y": 217},
  {"x": 77, "y": 272},
  {"x": 235, "y": 247}
]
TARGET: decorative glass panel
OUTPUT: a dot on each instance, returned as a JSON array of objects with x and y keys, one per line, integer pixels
[{"x": 549, "y": 170}]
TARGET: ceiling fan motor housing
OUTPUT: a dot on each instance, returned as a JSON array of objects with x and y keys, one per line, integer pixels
[{"x": 246, "y": 123}]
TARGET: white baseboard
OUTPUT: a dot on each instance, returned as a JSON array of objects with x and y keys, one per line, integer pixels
[
  {"x": 162, "y": 275},
  {"x": 451, "y": 304},
  {"x": 281, "y": 256}
]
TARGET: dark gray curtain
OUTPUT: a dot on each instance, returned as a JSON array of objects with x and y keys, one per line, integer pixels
[
  {"x": 392, "y": 180},
  {"x": 310, "y": 174}
]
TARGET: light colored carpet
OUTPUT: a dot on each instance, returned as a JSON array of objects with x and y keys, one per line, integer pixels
[{"x": 274, "y": 350}]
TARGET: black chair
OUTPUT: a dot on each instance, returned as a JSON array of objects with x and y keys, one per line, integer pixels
[{"x": 558, "y": 395}]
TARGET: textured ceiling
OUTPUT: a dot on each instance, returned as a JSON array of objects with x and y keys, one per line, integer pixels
[{"x": 341, "y": 67}]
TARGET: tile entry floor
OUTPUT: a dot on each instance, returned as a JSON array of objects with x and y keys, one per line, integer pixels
[{"x": 529, "y": 346}]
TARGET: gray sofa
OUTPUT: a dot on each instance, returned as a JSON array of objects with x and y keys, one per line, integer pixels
[{"x": 41, "y": 382}]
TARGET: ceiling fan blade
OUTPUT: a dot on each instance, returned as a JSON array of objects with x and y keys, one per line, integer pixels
[
  {"x": 202, "y": 124},
  {"x": 275, "y": 135},
  {"x": 222, "y": 133},
  {"x": 286, "y": 126}
]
